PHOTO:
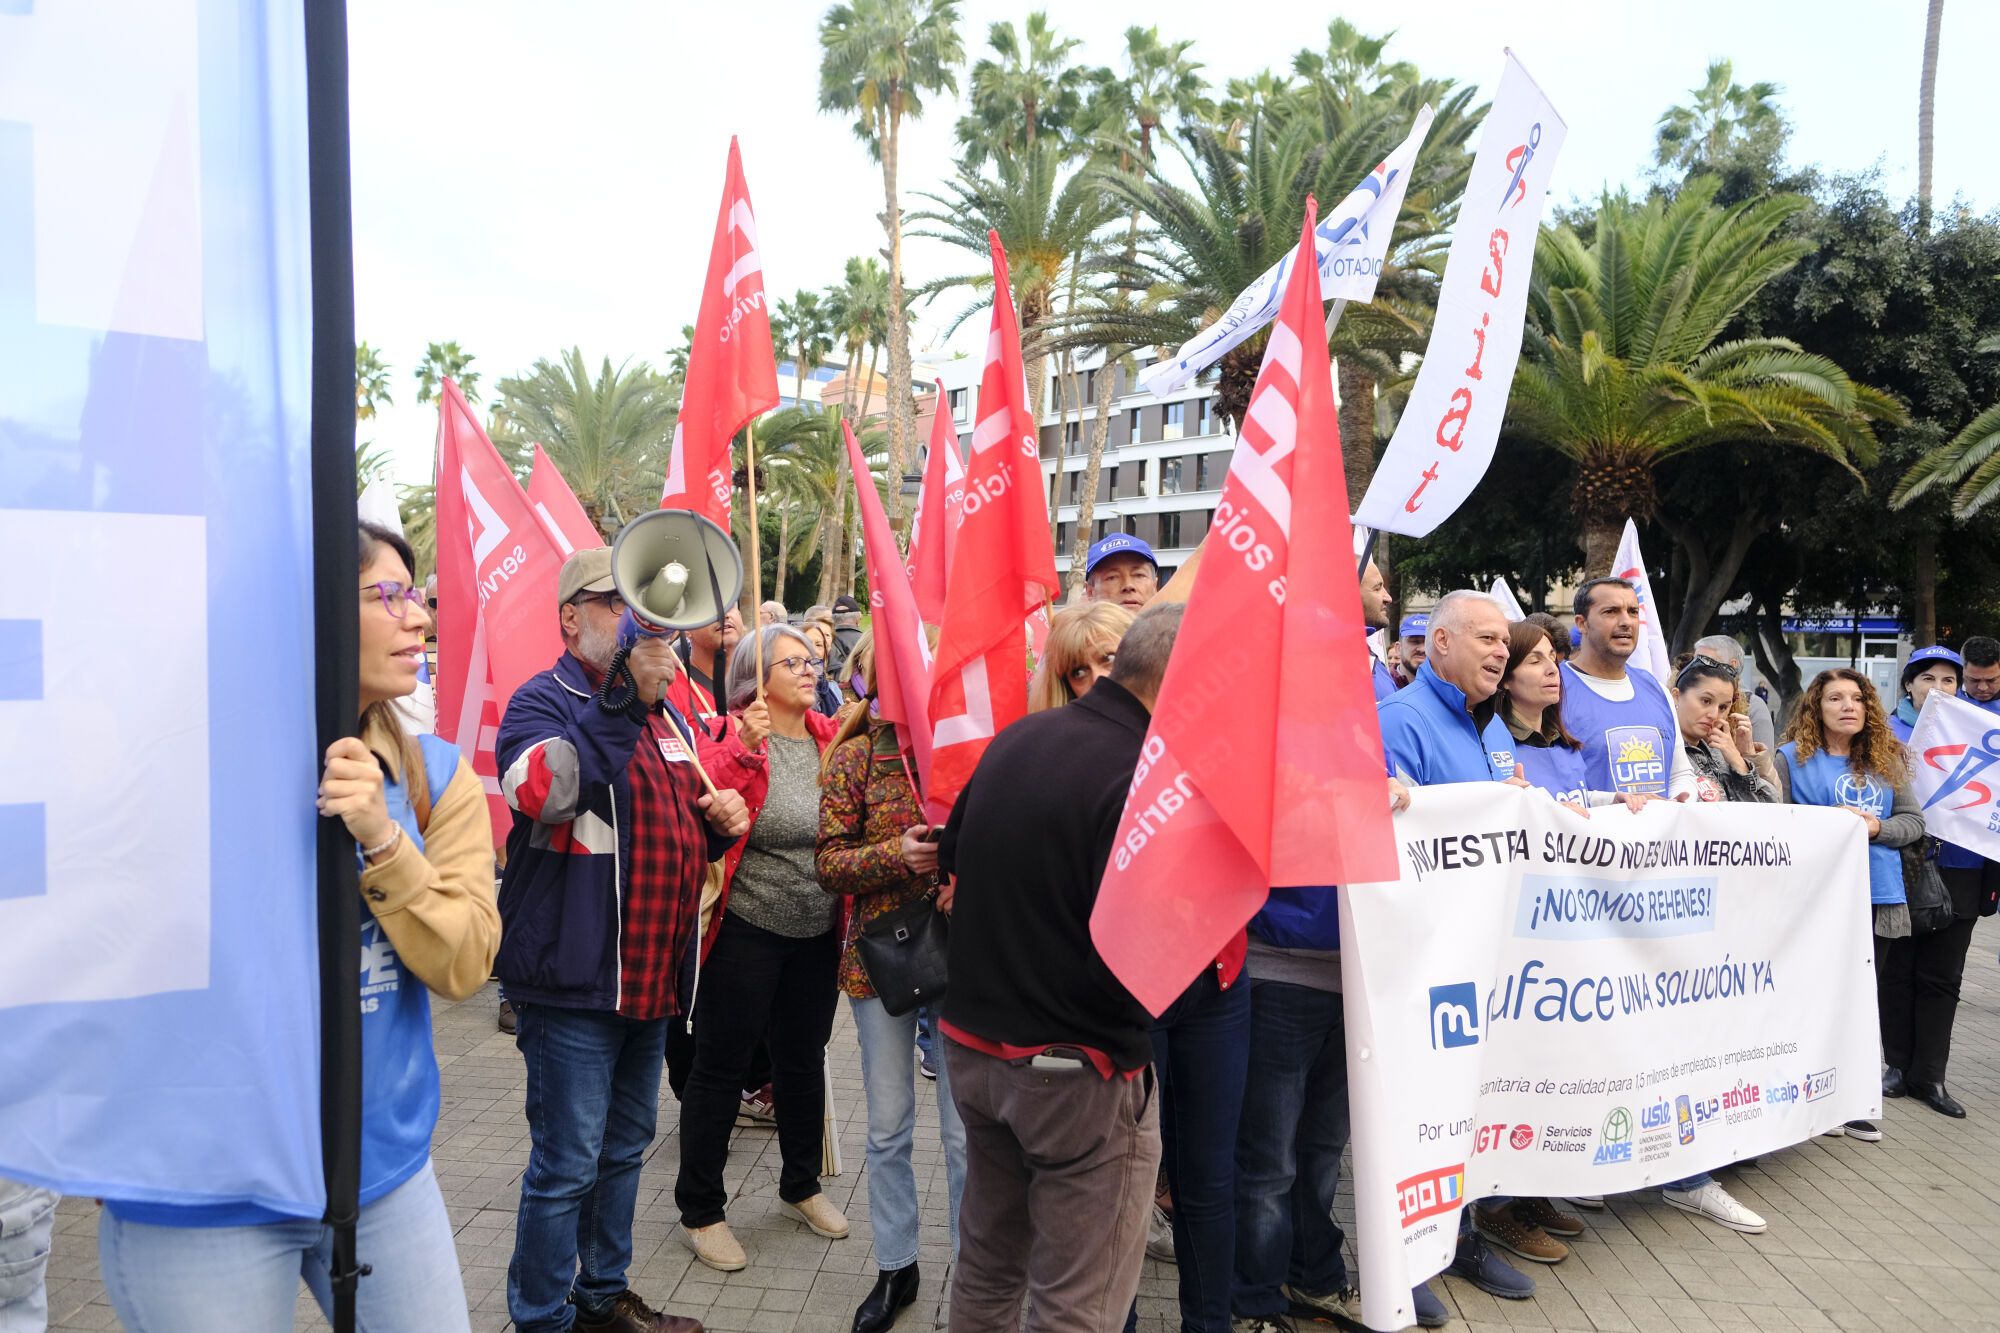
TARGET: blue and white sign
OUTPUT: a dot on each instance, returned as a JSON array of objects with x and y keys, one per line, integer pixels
[{"x": 158, "y": 968}]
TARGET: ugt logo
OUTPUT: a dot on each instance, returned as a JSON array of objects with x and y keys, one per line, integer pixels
[
  {"x": 1971, "y": 761},
  {"x": 1454, "y": 1016}
]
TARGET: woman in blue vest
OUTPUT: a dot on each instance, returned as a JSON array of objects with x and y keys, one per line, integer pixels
[
  {"x": 1924, "y": 978},
  {"x": 428, "y": 922},
  {"x": 1840, "y": 752},
  {"x": 1530, "y": 704}
]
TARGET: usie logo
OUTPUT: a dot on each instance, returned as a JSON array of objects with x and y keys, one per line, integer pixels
[
  {"x": 1431, "y": 1193},
  {"x": 1971, "y": 761},
  {"x": 1454, "y": 1016}
]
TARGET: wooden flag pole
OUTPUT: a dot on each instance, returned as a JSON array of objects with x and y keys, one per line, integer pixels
[{"x": 756, "y": 617}]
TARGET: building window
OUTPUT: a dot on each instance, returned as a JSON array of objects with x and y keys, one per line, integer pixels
[
  {"x": 1207, "y": 426},
  {"x": 1128, "y": 525},
  {"x": 1176, "y": 422},
  {"x": 1102, "y": 530},
  {"x": 1170, "y": 476},
  {"x": 956, "y": 397},
  {"x": 1209, "y": 470},
  {"x": 1089, "y": 386},
  {"x": 1170, "y": 531},
  {"x": 1073, "y": 437},
  {"x": 1135, "y": 425},
  {"x": 1063, "y": 533}
]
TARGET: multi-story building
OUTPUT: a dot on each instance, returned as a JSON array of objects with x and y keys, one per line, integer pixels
[{"x": 1164, "y": 461}]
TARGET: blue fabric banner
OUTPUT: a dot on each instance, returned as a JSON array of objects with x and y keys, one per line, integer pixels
[{"x": 158, "y": 993}]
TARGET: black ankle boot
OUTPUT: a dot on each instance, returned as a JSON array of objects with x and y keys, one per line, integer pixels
[
  {"x": 895, "y": 1289},
  {"x": 1892, "y": 1083}
]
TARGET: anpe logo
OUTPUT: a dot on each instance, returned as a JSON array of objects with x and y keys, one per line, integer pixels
[
  {"x": 1522, "y": 1138},
  {"x": 1454, "y": 1016},
  {"x": 1431, "y": 1193},
  {"x": 1615, "y": 1143},
  {"x": 1821, "y": 1084}
]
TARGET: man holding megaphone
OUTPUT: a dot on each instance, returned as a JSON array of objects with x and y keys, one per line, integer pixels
[{"x": 614, "y": 826}]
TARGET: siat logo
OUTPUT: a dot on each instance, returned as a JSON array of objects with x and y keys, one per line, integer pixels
[
  {"x": 1967, "y": 762},
  {"x": 1517, "y": 162}
]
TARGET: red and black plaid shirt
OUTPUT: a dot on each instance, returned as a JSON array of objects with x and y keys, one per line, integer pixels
[{"x": 664, "y": 873}]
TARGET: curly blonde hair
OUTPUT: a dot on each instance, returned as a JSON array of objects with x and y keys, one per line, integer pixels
[
  {"x": 1076, "y": 636},
  {"x": 1875, "y": 752}
]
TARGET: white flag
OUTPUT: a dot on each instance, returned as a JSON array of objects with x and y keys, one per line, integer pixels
[
  {"x": 1629, "y": 565},
  {"x": 1953, "y": 750},
  {"x": 1509, "y": 603},
  {"x": 1444, "y": 441},
  {"x": 1351, "y": 240},
  {"x": 378, "y": 505}
]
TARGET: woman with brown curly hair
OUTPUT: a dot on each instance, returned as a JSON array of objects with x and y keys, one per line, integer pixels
[{"x": 1839, "y": 752}]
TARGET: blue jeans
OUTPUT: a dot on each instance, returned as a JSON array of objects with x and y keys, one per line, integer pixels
[
  {"x": 27, "y": 1224},
  {"x": 926, "y": 1031},
  {"x": 593, "y": 1094},
  {"x": 1201, "y": 1050},
  {"x": 194, "y": 1279},
  {"x": 1288, "y": 1148},
  {"x": 888, "y": 1076}
]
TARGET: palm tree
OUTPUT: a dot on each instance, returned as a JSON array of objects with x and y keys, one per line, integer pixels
[
  {"x": 608, "y": 433},
  {"x": 1721, "y": 111},
  {"x": 442, "y": 360},
  {"x": 807, "y": 334},
  {"x": 1624, "y": 369},
  {"x": 1926, "y": 106},
  {"x": 1969, "y": 460},
  {"x": 1032, "y": 87},
  {"x": 369, "y": 460},
  {"x": 418, "y": 506},
  {"x": 805, "y": 457},
  {"x": 371, "y": 383},
  {"x": 879, "y": 57},
  {"x": 1043, "y": 219}
]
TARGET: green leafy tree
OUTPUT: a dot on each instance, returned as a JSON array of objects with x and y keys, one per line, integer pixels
[
  {"x": 805, "y": 456},
  {"x": 1626, "y": 366},
  {"x": 1969, "y": 461},
  {"x": 608, "y": 433},
  {"x": 879, "y": 58},
  {"x": 371, "y": 383},
  {"x": 803, "y": 328},
  {"x": 1029, "y": 86},
  {"x": 1722, "y": 119},
  {"x": 446, "y": 361}
]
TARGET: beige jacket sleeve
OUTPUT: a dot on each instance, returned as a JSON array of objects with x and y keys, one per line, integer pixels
[{"x": 436, "y": 905}]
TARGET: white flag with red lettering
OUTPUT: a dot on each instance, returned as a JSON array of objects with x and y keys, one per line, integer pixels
[
  {"x": 940, "y": 509},
  {"x": 732, "y": 373},
  {"x": 1002, "y": 568},
  {"x": 496, "y": 570},
  {"x": 562, "y": 514},
  {"x": 1263, "y": 763}
]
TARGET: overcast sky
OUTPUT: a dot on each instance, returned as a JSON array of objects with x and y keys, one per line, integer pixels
[{"x": 531, "y": 176}]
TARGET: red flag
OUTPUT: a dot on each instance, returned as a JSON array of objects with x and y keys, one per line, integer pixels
[
  {"x": 902, "y": 650},
  {"x": 940, "y": 509},
  {"x": 731, "y": 374},
  {"x": 496, "y": 593},
  {"x": 1002, "y": 568},
  {"x": 559, "y": 510},
  {"x": 1263, "y": 763}
]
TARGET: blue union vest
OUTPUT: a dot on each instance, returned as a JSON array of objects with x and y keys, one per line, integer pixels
[
  {"x": 1629, "y": 746},
  {"x": 1826, "y": 779}
]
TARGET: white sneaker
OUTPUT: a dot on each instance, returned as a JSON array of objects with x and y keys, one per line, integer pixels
[
  {"x": 1864, "y": 1130},
  {"x": 1717, "y": 1205},
  {"x": 1160, "y": 1237},
  {"x": 1592, "y": 1202}
]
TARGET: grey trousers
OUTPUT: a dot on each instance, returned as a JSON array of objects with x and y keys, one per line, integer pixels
[{"x": 1059, "y": 1175}]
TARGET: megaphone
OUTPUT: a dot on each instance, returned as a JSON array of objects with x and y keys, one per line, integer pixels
[{"x": 674, "y": 570}]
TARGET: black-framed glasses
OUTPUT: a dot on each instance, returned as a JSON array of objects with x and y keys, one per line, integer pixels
[
  {"x": 610, "y": 599},
  {"x": 397, "y": 597},
  {"x": 1703, "y": 664},
  {"x": 798, "y": 666}
]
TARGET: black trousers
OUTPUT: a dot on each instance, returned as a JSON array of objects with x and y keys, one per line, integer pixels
[
  {"x": 1917, "y": 984},
  {"x": 757, "y": 984}
]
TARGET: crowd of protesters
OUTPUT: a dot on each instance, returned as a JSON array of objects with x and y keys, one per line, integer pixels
[{"x": 686, "y": 887}]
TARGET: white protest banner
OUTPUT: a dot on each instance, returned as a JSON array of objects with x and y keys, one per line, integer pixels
[
  {"x": 1628, "y": 564},
  {"x": 1954, "y": 748},
  {"x": 1509, "y": 603},
  {"x": 1445, "y": 437},
  {"x": 1552, "y": 1005},
  {"x": 1350, "y": 241}
]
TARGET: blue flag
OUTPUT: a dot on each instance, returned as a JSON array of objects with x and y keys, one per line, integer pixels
[{"x": 158, "y": 992}]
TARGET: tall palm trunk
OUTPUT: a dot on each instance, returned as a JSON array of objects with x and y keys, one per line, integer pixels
[
  {"x": 1062, "y": 431},
  {"x": 1357, "y": 427},
  {"x": 1926, "y": 104},
  {"x": 901, "y": 409},
  {"x": 1100, "y": 431},
  {"x": 784, "y": 551}
]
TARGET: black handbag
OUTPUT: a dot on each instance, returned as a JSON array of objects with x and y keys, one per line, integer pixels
[
  {"x": 903, "y": 953},
  {"x": 1923, "y": 888}
]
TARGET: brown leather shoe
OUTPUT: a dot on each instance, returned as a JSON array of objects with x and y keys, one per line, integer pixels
[
  {"x": 629, "y": 1314},
  {"x": 1543, "y": 1213},
  {"x": 1507, "y": 1230}
]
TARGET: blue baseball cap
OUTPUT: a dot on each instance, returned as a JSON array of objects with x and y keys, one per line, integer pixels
[
  {"x": 1118, "y": 543},
  {"x": 1923, "y": 657},
  {"x": 1415, "y": 627}
]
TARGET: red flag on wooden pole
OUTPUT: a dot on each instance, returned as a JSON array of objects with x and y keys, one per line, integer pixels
[
  {"x": 940, "y": 509},
  {"x": 1263, "y": 763},
  {"x": 902, "y": 650},
  {"x": 732, "y": 375},
  {"x": 1002, "y": 568}
]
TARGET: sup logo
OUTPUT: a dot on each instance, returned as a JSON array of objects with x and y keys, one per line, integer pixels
[
  {"x": 1615, "y": 1143},
  {"x": 1638, "y": 759},
  {"x": 1454, "y": 1016}
]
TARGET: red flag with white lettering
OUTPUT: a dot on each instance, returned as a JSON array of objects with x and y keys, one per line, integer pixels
[
  {"x": 732, "y": 375},
  {"x": 1002, "y": 568},
  {"x": 497, "y": 572},
  {"x": 562, "y": 514},
  {"x": 902, "y": 650},
  {"x": 1263, "y": 763},
  {"x": 940, "y": 509}
]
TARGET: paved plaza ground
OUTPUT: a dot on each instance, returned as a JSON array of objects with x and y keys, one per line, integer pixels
[{"x": 1902, "y": 1234}]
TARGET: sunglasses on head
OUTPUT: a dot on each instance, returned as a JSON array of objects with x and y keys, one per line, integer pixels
[{"x": 1703, "y": 664}]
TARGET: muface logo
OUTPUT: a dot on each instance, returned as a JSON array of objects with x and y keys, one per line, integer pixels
[
  {"x": 1971, "y": 761},
  {"x": 1431, "y": 1193},
  {"x": 1454, "y": 1016},
  {"x": 1615, "y": 1142},
  {"x": 1638, "y": 762}
]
